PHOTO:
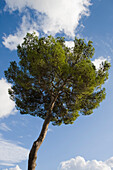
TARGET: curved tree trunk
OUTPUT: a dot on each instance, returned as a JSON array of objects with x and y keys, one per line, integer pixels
[{"x": 37, "y": 144}]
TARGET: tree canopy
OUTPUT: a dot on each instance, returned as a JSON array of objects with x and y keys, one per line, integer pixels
[{"x": 50, "y": 71}]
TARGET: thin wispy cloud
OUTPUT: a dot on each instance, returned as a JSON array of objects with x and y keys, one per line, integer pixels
[
  {"x": 51, "y": 17},
  {"x": 108, "y": 44},
  {"x": 4, "y": 127},
  {"x": 7, "y": 106},
  {"x": 50, "y": 130},
  {"x": 79, "y": 163},
  {"x": 14, "y": 168},
  {"x": 11, "y": 153}
]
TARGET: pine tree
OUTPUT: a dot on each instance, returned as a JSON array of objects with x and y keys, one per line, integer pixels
[{"x": 55, "y": 82}]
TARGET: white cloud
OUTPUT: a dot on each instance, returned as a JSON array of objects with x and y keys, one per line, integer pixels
[
  {"x": 69, "y": 44},
  {"x": 4, "y": 127},
  {"x": 79, "y": 163},
  {"x": 11, "y": 153},
  {"x": 53, "y": 16},
  {"x": 15, "y": 168},
  {"x": 11, "y": 41},
  {"x": 109, "y": 162},
  {"x": 98, "y": 62},
  {"x": 7, "y": 106}
]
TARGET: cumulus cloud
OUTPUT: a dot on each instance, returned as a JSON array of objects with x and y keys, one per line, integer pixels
[
  {"x": 7, "y": 106},
  {"x": 98, "y": 62},
  {"x": 69, "y": 44},
  {"x": 15, "y": 168},
  {"x": 11, "y": 153},
  {"x": 52, "y": 17},
  {"x": 11, "y": 41},
  {"x": 79, "y": 163}
]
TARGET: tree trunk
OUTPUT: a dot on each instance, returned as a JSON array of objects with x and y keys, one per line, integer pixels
[{"x": 37, "y": 144}]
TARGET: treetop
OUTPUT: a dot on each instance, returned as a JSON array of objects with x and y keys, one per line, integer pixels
[{"x": 50, "y": 72}]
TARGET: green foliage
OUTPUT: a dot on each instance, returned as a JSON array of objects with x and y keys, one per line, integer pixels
[{"x": 48, "y": 70}]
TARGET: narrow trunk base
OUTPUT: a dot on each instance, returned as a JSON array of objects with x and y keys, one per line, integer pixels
[
  {"x": 33, "y": 156},
  {"x": 37, "y": 144}
]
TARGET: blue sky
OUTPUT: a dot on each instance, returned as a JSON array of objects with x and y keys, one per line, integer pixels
[{"x": 88, "y": 143}]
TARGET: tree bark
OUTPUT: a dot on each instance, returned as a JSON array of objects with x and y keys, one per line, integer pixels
[{"x": 37, "y": 144}]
